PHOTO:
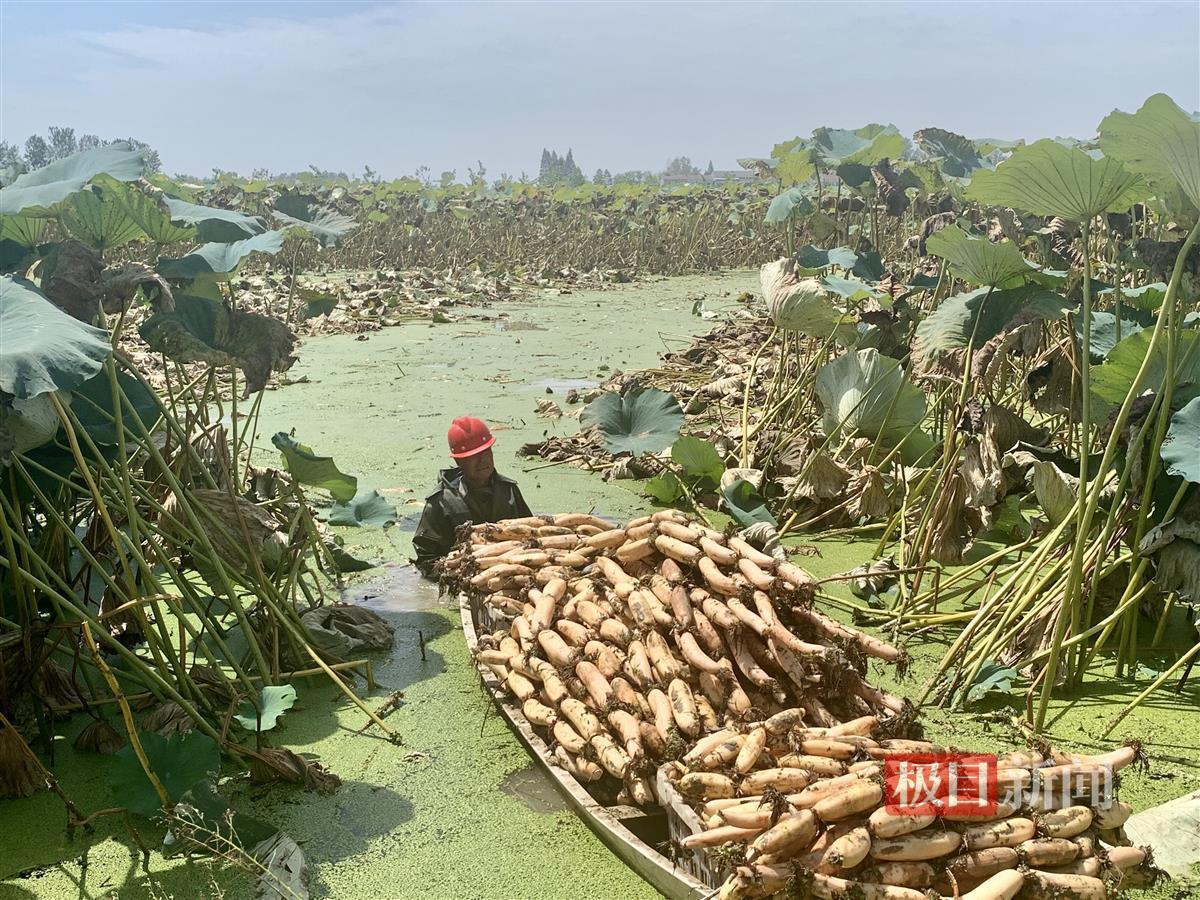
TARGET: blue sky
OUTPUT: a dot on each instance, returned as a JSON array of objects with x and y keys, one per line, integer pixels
[{"x": 626, "y": 85}]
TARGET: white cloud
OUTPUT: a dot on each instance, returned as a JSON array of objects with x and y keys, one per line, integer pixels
[{"x": 626, "y": 85}]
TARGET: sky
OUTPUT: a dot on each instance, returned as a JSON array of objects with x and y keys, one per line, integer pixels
[{"x": 395, "y": 86}]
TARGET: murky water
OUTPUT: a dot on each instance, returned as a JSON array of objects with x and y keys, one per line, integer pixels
[
  {"x": 516, "y": 325},
  {"x": 562, "y": 385},
  {"x": 397, "y": 589},
  {"x": 533, "y": 787}
]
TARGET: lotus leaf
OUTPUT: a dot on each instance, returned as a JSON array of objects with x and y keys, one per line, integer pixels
[
  {"x": 1056, "y": 490},
  {"x": 992, "y": 678},
  {"x": 866, "y": 146},
  {"x": 955, "y": 154},
  {"x": 273, "y": 702},
  {"x": 974, "y": 318},
  {"x": 976, "y": 259},
  {"x": 802, "y": 305},
  {"x": 24, "y": 230},
  {"x": 868, "y": 394},
  {"x": 367, "y": 508},
  {"x": 847, "y": 288},
  {"x": 221, "y": 226},
  {"x": 211, "y": 824},
  {"x": 1111, "y": 380},
  {"x": 219, "y": 259},
  {"x": 640, "y": 421},
  {"x": 795, "y": 168},
  {"x": 44, "y": 349},
  {"x": 92, "y": 403},
  {"x": 26, "y": 424},
  {"x": 1147, "y": 297},
  {"x": 1047, "y": 179},
  {"x": 1181, "y": 448},
  {"x": 811, "y": 260},
  {"x": 745, "y": 505},
  {"x": 35, "y": 192},
  {"x": 317, "y": 471},
  {"x": 698, "y": 458},
  {"x": 146, "y": 211},
  {"x": 179, "y": 762},
  {"x": 1159, "y": 142},
  {"x": 1106, "y": 333},
  {"x": 791, "y": 204},
  {"x": 665, "y": 487},
  {"x": 202, "y": 330},
  {"x": 327, "y": 225}
]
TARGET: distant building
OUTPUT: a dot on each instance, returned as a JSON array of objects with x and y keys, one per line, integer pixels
[{"x": 718, "y": 176}]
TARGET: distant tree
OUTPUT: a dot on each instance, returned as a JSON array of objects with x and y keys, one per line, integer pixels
[
  {"x": 545, "y": 170},
  {"x": 448, "y": 177},
  {"x": 601, "y": 177},
  {"x": 62, "y": 142},
  {"x": 424, "y": 175},
  {"x": 370, "y": 175},
  {"x": 708, "y": 172},
  {"x": 89, "y": 142},
  {"x": 571, "y": 173},
  {"x": 11, "y": 164},
  {"x": 477, "y": 176},
  {"x": 681, "y": 165},
  {"x": 634, "y": 176},
  {"x": 37, "y": 152},
  {"x": 260, "y": 174}
]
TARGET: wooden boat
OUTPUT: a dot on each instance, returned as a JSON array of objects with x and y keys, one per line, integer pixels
[{"x": 628, "y": 831}]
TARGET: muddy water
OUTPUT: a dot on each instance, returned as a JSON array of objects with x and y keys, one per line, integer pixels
[{"x": 456, "y": 810}]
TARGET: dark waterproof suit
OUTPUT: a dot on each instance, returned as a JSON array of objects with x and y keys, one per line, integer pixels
[{"x": 454, "y": 504}]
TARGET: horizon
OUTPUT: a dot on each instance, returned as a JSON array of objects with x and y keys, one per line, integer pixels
[{"x": 313, "y": 84}]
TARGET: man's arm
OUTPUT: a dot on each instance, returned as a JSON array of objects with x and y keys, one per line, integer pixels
[{"x": 433, "y": 538}]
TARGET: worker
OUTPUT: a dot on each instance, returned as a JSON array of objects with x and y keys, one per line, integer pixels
[{"x": 472, "y": 491}]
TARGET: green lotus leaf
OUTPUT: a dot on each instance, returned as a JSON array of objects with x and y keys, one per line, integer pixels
[
  {"x": 791, "y": 204},
  {"x": 855, "y": 174},
  {"x": 1047, "y": 179},
  {"x": 98, "y": 217},
  {"x": 327, "y": 225},
  {"x": 973, "y": 318},
  {"x": 35, "y": 192},
  {"x": 26, "y": 424},
  {"x": 745, "y": 505},
  {"x": 810, "y": 260},
  {"x": 1107, "y": 332},
  {"x": 640, "y": 421},
  {"x": 867, "y": 394},
  {"x": 665, "y": 487},
  {"x": 92, "y": 403},
  {"x": 976, "y": 259},
  {"x": 214, "y": 225},
  {"x": 992, "y": 678},
  {"x": 147, "y": 212},
  {"x": 178, "y": 761},
  {"x": 847, "y": 288},
  {"x": 698, "y": 458},
  {"x": 1181, "y": 447},
  {"x": 317, "y": 471},
  {"x": 864, "y": 146},
  {"x": 199, "y": 329},
  {"x": 1112, "y": 380},
  {"x": 367, "y": 508},
  {"x": 219, "y": 259},
  {"x": 24, "y": 230},
  {"x": 795, "y": 168},
  {"x": 1160, "y": 142},
  {"x": 954, "y": 154},
  {"x": 1147, "y": 297},
  {"x": 273, "y": 702},
  {"x": 44, "y": 349}
]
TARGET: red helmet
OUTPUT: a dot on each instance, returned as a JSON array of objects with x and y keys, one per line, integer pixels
[{"x": 468, "y": 436}]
